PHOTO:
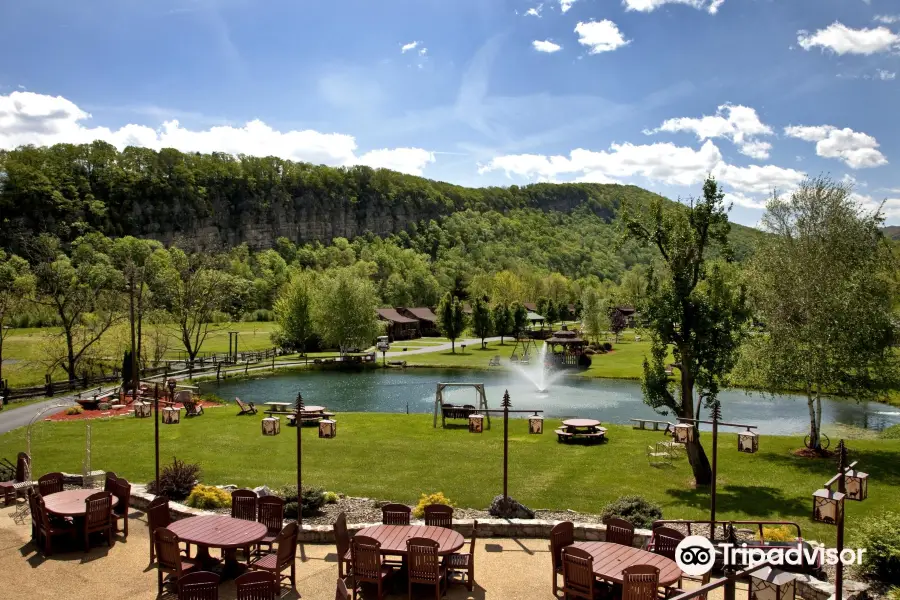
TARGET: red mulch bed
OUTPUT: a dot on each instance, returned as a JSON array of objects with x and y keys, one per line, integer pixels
[
  {"x": 809, "y": 453},
  {"x": 98, "y": 414}
]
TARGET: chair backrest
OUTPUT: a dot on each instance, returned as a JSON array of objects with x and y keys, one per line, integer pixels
[
  {"x": 438, "y": 515},
  {"x": 665, "y": 540},
  {"x": 158, "y": 514},
  {"x": 36, "y": 505},
  {"x": 578, "y": 572},
  {"x": 200, "y": 585},
  {"x": 395, "y": 514},
  {"x": 51, "y": 483},
  {"x": 240, "y": 403},
  {"x": 341, "y": 534},
  {"x": 341, "y": 593},
  {"x": 271, "y": 513},
  {"x": 168, "y": 555},
  {"x": 619, "y": 531},
  {"x": 243, "y": 505},
  {"x": 23, "y": 467},
  {"x": 423, "y": 561},
  {"x": 562, "y": 535},
  {"x": 474, "y": 537},
  {"x": 640, "y": 582},
  {"x": 257, "y": 585},
  {"x": 366, "y": 554},
  {"x": 110, "y": 481},
  {"x": 98, "y": 508},
  {"x": 287, "y": 545},
  {"x": 123, "y": 494}
]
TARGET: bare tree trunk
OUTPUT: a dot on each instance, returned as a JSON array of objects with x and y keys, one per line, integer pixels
[
  {"x": 696, "y": 455},
  {"x": 813, "y": 420}
]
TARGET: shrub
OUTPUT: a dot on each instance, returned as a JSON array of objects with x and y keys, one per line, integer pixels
[
  {"x": 880, "y": 536},
  {"x": 428, "y": 500},
  {"x": 891, "y": 433},
  {"x": 208, "y": 496},
  {"x": 313, "y": 500},
  {"x": 635, "y": 509},
  {"x": 103, "y": 406},
  {"x": 176, "y": 480},
  {"x": 212, "y": 399},
  {"x": 779, "y": 534},
  {"x": 74, "y": 410},
  {"x": 331, "y": 497},
  {"x": 894, "y": 593},
  {"x": 607, "y": 346}
]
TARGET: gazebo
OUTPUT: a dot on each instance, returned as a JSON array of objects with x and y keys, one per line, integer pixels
[{"x": 566, "y": 349}]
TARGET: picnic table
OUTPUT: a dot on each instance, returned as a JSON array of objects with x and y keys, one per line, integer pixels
[
  {"x": 70, "y": 503},
  {"x": 279, "y": 407},
  {"x": 393, "y": 537},
  {"x": 586, "y": 429},
  {"x": 610, "y": 559},
  {"x": 223, "y": 532}
]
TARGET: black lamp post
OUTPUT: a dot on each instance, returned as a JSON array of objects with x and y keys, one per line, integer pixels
[
  {"x": 156, "y": 429},
  {"x": 298, "y": 407}
]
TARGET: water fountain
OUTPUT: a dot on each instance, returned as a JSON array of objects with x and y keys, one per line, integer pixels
[{"x": 536, "y": 370}]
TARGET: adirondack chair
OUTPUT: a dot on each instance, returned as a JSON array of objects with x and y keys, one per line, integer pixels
[
  {"x": 247, "y": 408},
  {"x": 192, "y": 408}
]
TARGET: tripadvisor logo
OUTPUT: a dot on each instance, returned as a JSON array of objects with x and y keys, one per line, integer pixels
[{"x": 695, "y": 555}]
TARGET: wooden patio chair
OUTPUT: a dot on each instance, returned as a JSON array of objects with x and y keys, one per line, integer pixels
[
  {"x": 677, "y": 590},
  {"x": 98, "y": 518},
  {"x": 619, "y": 531},
  {"x": 561, "y": 536},
  {"x": 659, "y": 454},
  {"x": 283, "y": 558},
  {"x": 120, "y": 511},
  {"x": 578, "y": 574},
  {"x": 199, "y": 585},
  {"x": 664, "y": 541},
  {"x": 109, "y": 483},
  {"x": 247, "y": 408},
  {"x": 367, "y": 564},
  {"x": 438, "y": 515},
  {"x": 51, "y": 483},
  {"x": 342, "y": 541},
  {"x": 464, "y": 563},
  {"x": 341, "y": 593},
  {"x": 169, "y": 558},
  {"x": 158, "y": 515},
  {"x": 424, "y": 566},
  {"x": 256, "y": 585},
  {"x": 395, "y": 514},
  {"x": 192, "y": 408},
  {"x": 640, "y": 582},
  {"x": 20, "y": 485},
  {"x": 271, "y": 514},
  {"x": 47, "y": 528},
  {"x": 243, "y": 505}
]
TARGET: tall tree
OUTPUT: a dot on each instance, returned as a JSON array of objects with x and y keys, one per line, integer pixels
[
  {"x": 519, "y": 318},
  {"x": 594, "y": 314},
  {"x": 691, "y": 307},
  {"x": 16, "y": 289},
  {"x": 618, "y": 322},
  {"x": 502, "y": 321},
  {"x": 344, "y": 309},
  {"x": 451, "y": 319},
  {"x": 482, "y": 321},
  {"x": 541, "y": 306},
  {"x": 821, "y": 285},
  {"x": 293, "y": 313},
  {"x": 552, "y": 315}
]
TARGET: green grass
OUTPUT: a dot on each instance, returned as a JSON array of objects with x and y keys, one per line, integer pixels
[{"x": 398, "y": 457}]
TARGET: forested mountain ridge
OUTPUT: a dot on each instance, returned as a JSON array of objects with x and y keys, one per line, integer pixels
[{"x": 217, "y": 200}]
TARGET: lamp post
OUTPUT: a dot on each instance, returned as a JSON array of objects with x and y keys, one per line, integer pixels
[
  {"x": 299, "y": 406},
  {"x": 156, "y": 427}
]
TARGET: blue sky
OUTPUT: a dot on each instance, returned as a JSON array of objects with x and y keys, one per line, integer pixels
[{"x": 486, "y": 92}]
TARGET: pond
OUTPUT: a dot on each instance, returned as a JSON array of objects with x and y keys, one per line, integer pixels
[{"x": 607, "y": 400}]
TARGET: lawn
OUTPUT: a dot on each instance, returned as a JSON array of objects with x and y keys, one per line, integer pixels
[{"x": 390, "y": 456}]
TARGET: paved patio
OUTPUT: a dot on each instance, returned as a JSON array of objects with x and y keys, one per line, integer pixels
[{"x": 505, "y": 569}]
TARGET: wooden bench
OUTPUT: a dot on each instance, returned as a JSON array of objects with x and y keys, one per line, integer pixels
[
  {"x": 310, "y": 418},
  {"x": 567, "y": 436},
  {"x": 642, "y": 424},
  {"x": 455, "y": 411}
]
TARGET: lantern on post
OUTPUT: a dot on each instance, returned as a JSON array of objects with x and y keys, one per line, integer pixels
[
  {"x": 683, "y": 433},
  {"x": 857, "y": 485},
  {"x": 476, "y": 423},
  {"x": 327, "y": 428},
  {"x": 748, "y": 441},
  {"x": 171, "y": 416},
  {"x": 142, "y": 410},
  {"x": 536, "y": 424},
  {"x": 172, "y": 383},
  {"x": 771, "y": 584},
  {"x": 271, "y": 426},
  {"x": 828, "y": 506}
]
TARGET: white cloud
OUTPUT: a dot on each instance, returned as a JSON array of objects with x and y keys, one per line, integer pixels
[
  {"x": 546, "y": 46},
  {"x": 423, "y": 51},
  {"x": 841, "y": 39},
  {"x": 565, "y": 5},
  {"x": 710, "y": 6},
  {"x": 740, "y": 124},
  {"x": 857, "y": 150},
  {"x": 42, "y": 120},
  {"x": 746, "y": 201},
  {"x": 534, "y": 11},
  {"x": 600, "y": 36},
  {"x": 890, "y": 207},
  {"x": 756, "y": 179},
  {"x": 887, "y": 19},
  {"x": 885, "y": 75},
  {"x": 407, "y": 47}
]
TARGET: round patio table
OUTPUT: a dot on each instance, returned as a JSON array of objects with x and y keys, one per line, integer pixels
[
  {"x": 581, "y": 423},
  {"x": 223, "y": 532},
  {"x": 393, "y": 537},
  {"x": 610, "y": 559},
  {"x": 70, "y": 503}
]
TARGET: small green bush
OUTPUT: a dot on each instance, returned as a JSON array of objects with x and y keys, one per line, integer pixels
[
  {"x": 891, "y": 433},
  {"x": 607, "y": 346},
  {"x": 894, "y": 593},
  {"x": 880, "y": 536},
  {"x": 428, "y": 500},
  {"x": 331, "y": 497},
  {"x": 74, "y": 410},
  {"x": 637, "y": 510},
  {"x": 208, "y": 496},
  {"x": 779, "y": 534},
  {"x": 103, "y": 406},
  {"x": 313, "y": 500}
]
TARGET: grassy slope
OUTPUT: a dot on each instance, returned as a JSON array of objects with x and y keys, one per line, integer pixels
[{"x": 400, "y": 456}]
